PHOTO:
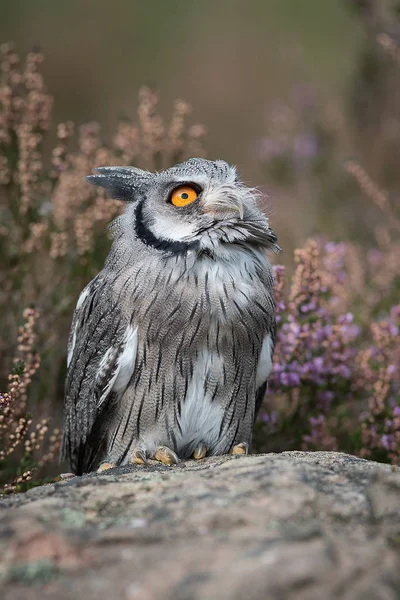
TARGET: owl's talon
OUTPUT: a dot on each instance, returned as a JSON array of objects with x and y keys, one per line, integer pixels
[
  {"x": 138, "y": 457},
  {"x": 105, "y": 466},
  {"x": 166, "y": 456},
  {"x": 242, "y": 448},
  {"x": 200, "y": 452}
]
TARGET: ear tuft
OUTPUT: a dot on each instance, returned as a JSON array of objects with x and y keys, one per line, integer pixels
[{"x": 121, "y": 183}]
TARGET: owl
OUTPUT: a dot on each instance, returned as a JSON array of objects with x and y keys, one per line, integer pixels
[{"x": 171, "y": 343}]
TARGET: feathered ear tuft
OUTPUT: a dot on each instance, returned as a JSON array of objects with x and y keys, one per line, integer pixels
[{"x": 120, "y": 182}]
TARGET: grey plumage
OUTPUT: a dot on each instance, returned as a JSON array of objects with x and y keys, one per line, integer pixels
[{"x": 171, "y": 344}]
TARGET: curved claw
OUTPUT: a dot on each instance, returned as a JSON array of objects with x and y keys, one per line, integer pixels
[
  {"x": 242, "y": 448},
  {"x": 105, "y": 466},
  {"x": 200, "y": 452},
  {"x": 139, "y": 457},
  {"x": 166, "y": 456}
]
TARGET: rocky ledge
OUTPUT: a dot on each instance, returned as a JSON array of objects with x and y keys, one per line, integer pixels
[{"x": 293, "y": 525}]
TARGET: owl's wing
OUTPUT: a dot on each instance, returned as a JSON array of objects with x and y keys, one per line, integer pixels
[
  {"x": 101, "y": 358},
  {"x": 264, "y": 369}
]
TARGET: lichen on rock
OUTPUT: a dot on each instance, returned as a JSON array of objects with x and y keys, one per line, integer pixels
[{"x": 292, "y": 525}]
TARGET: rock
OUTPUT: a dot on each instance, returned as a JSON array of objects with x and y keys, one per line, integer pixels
[{"x": 293, "y": 525}]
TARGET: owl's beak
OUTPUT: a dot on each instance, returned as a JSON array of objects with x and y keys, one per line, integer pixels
[
  {"x": 238, "y": 208},
  {"x": 224, "y": 206}
]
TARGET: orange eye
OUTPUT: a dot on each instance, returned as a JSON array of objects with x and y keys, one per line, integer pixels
[{"x": 184, "y": 195}]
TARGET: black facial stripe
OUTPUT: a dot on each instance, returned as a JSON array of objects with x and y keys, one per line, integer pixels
[{"x": 147, "y": 237}]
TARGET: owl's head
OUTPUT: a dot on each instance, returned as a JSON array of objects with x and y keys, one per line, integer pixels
[{"x": 196, "y": 205}]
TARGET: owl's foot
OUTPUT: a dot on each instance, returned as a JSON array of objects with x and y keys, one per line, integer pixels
[
  {"x": 138, "y": 457},
  {"x": 242, "y": 448},
  {"x": 105, "y": 466},
  {"x": 200, "y": 452},
  {"x": 165, "y": 455}
]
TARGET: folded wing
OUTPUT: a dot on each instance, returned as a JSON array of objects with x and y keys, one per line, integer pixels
[{"x": 101, "y": 359}]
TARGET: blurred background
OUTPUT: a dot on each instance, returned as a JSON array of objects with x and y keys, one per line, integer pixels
[
  {"x": 254, "y": 72},
  {"x": 304, "y": 97}
]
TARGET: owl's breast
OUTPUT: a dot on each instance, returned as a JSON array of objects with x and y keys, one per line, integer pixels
[
  {"x": 201, "y": 327},
  {"x": 222, "y": 345}
]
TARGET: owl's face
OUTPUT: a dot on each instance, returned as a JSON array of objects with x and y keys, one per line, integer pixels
[{"x": 199, "y": 204}]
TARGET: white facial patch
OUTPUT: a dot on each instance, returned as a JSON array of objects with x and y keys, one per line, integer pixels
[{"x": 172, "y": 229}]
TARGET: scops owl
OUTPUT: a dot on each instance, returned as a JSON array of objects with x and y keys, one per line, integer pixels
[{"x": 171, "y": 344}]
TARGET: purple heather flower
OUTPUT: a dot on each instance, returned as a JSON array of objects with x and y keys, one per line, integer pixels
[
  {"x": 317, "y": 363},
  {"x": 325, "y": 397},
  {"x": 350, "y": 332},
  {"x": 343, "y": 371},
  {"x": 346, "y": 319},
  {"x": 305, "y": 146},
  {"x": 269, "y": 418},
  {"x": 278, "y": 269},
  {"x": 280, "y": 307},
  {"x": 319, "y": 420},
  {"x": 310, "y": 307},
  {"x": 330, "y": 247},
  {"x": 374, "y": 257},
  {"x": 289, "y": 379},
  {"x": 395, "y": 312}
]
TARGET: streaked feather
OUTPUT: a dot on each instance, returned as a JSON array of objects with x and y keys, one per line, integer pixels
[{"x": 171, "y": 344}]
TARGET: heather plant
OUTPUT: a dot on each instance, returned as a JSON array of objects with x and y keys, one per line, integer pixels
[
  {"x": 25, "y": 446},
  {"x": 329, "y": 154},
  {"x": 301, "y": 152},
  {"x": 379, "y": 367},
  {"x": 336, "y": 382}
]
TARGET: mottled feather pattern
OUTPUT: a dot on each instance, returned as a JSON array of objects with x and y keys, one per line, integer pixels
[{"x": 168, "y": 343}]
